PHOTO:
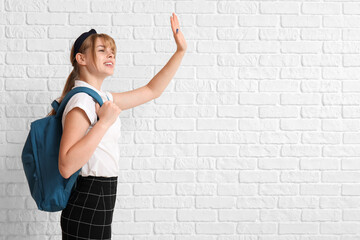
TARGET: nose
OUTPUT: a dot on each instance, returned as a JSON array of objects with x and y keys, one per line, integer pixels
[{"x": 111, "y": 54}]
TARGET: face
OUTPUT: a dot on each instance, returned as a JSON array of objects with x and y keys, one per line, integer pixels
[{"x": 103, "y": 57}]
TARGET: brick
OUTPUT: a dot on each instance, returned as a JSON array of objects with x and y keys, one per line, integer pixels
[
  {"x": 279, "y": 86},
  {"x": 195, "y": 189},
  {"x": 300, "y": 21},
  {"x": 236, "y": 7},
  {"x": 195, "y": 163},
  {"x": 46, "y": 18},
  {"x": 68, "y": 6},
  {"x": 258, "y": 21},
  {"x": 279, "y": 8},
  {"x": 324, "y": 138},
  {"x": 256, "y": 228},
  {"x": 258, "y": 151},
  {"x": 173, "y": 228},
  {"x": 222, "y": 150},
  {"x": 324, "y": 60},
  {"x": 329, "y": 86},
  {"x": 112, "y": 6},
  {"x": 154, "y": 215},
  {"x": 321, "y": 34},
  {"x": 215, "y": 228},
  {"x": 351, "y": 190},
  {"x": 301, "y": 151},
  {"x": 259, "y": 47},
  {"x": 258, "y": 99},
  {"x": 298, "y": 228},
  {"x": 215, "y": 202},
  {"x": 258, "y": 177},
  {"x": 276, "y": 189},
  {"x": 237, "y": 86},
  {"x": 29, "y": 6},
  {"x": 279, "y": 60},
  {"x": 262, "y": 202},
  {"x": 174, "y": 176},
  {"x": 164, "y": 7},
  {"x": 237, "y": 189},
  {"x": 321, "y": 8},
  {"x": 341, "y": 21},
  {"x": 278, "y": 163},
  {"x": 278, "y": 112},
  {"x": 300, "y": 124},
  {"x": 321, "y": 215},
  {"x": 298, "y": 202},
  {"x": 303, "y": 47},
  {"x": 340, "y": 228},
  {"x": 244, "y": 33},
  {"x": 216, "y": 47},
  {"x": 288, "y": 34},
  {"x": 320, "y": 189},
  {"x": 300, "y": 99},
  {"x": 351, "y": 8},
  {"x": 216, "y": 124},
  {"x": 237, "y": 137},
  {"x": 238, "y": 215},
  {"x": 205, "y": 20}
]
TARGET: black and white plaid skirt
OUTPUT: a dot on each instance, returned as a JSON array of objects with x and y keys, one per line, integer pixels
[{"x": 89, "y": 211}]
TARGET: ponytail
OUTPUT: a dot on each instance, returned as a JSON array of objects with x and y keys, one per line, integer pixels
[{"x": 70, "y": 82}]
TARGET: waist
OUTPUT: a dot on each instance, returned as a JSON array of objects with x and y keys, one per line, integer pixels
[
  {"x": 104, "y": 186},
  {"x": 97, "y": 179}
]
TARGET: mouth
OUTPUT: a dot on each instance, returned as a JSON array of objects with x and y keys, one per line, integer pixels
[{"x": 109, "y": 64}]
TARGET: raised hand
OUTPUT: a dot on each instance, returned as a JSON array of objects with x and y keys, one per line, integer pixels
[{"x": 179, "y": 37}]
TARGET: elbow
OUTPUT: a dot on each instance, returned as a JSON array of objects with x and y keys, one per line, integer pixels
[
  {"x": 63, "y": 171},
  {"x": 156, "y": 95}
]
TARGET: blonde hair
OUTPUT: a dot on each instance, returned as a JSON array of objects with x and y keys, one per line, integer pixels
[{"x": 89, "y": 43}]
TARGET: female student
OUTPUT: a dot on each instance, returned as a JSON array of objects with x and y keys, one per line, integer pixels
[{"x": 90, "y": 132}]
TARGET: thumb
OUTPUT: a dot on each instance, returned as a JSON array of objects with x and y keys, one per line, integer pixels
[{"x": 97, "y": 107}]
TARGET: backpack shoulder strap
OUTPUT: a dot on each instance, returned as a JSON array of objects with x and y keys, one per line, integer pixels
[{"x": 59, "y": 108}]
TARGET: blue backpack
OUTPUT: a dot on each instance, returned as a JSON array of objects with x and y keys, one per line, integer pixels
[{"x": 40, "y": 154}]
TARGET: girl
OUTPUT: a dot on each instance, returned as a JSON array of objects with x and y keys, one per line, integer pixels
[{"x": 90, "y": 132}]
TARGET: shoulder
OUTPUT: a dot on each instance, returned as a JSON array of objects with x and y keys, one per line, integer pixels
[
  {"x": 81, "y": 96},
  {"x": 83, "y": 101}
]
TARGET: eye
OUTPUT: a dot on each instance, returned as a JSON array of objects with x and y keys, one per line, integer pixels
[{"x": 101, "y": 50}]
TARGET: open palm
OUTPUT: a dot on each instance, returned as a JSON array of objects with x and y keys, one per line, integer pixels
[{"x": 179, "y": 37}]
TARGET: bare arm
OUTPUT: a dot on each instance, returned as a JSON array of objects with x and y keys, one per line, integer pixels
[
  {"x": 76, "y": 148},
  {"x": 133, "y": 98},
  {"x": 162, "y": 78}
]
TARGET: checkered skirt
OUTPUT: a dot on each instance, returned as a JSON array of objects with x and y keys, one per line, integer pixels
[{"x": 89, "y": 211}]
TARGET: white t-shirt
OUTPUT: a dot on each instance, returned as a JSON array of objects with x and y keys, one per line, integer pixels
[{"x": 105, "y": 160}]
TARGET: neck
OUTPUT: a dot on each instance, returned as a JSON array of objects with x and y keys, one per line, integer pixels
[{"x": 94, "y": 81}]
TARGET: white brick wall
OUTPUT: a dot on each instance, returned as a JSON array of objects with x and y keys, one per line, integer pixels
[{"x": 256, "y": 137}]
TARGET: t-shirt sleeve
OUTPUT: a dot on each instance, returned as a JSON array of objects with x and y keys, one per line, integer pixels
[{"x": 83, "y": 101}]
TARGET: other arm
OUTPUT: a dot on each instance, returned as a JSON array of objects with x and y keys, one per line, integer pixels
[{"x": 76, "y": 148}]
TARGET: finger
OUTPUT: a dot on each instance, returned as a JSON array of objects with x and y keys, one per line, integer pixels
[
  {"x": 172, "y": 24},
  {"x": 176, "y": 20}
]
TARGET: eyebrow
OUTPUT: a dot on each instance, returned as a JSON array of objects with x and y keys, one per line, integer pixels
[{"x": 100, "y": 46}]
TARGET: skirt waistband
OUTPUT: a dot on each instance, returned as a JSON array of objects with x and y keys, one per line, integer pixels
[{"x": 96, "y": 178}]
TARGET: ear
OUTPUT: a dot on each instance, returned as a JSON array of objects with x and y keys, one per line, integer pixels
[{"x": 80, "y": 58}]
